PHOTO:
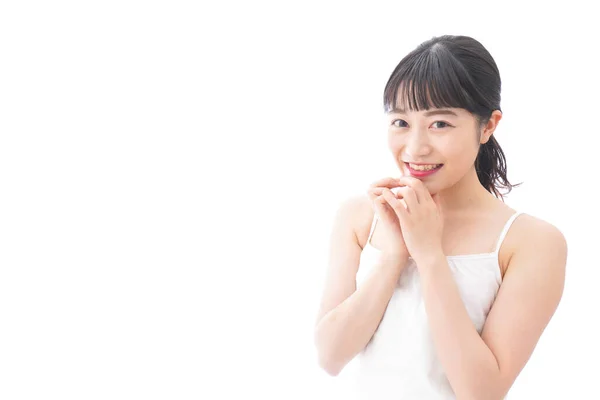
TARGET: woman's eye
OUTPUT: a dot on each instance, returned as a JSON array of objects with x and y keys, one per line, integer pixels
[
  {"x": 399, "y": 123},
  {"x": 443, "y": 124}
]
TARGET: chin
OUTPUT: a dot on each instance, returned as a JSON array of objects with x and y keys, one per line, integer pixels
[
  {"x": 431, "y": 190},
  {"x": 434, "y": 188}
]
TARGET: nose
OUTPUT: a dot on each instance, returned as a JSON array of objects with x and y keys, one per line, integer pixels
[{"x": 417, "y": 144}]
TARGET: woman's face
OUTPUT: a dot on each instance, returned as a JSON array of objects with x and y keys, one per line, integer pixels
[{"x": 445, "y": 138}]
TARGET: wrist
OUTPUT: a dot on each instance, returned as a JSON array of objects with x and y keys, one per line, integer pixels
[
  {"x": 430, "y": 259},
  {"x": 394, "y": 258}
]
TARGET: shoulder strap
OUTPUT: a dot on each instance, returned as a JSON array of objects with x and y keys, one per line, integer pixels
[
  {"x": 505, "y": 229},
  {"x": 372, "y": 228}
]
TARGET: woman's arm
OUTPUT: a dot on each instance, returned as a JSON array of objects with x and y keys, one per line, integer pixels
[
  {"x": 486, "y": 366},
  {"x": 347, "y": 317}
]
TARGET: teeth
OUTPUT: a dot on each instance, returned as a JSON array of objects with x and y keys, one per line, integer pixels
[{"x": 424, "y": 167}]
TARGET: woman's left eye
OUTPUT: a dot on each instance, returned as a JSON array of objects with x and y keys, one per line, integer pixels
[
  {"x": 444, "y": 124},
  {"x": 398, "y": 123}
]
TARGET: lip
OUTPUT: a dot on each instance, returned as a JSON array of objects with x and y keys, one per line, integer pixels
[{"x": 421, "y": 174}]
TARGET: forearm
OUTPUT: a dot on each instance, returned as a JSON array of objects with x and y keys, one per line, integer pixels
[
  {"x": 345, "y": 331},
  {"x": 470, "y": 366}
]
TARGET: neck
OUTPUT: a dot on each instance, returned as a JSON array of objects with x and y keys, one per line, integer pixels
[{"x": 466, "y": 194}]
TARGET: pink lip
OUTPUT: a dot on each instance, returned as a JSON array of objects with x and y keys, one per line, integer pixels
[{"x": 422, "y": 174}]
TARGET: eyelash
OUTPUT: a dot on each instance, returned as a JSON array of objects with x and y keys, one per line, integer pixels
[{"x": 443, "y": 122}]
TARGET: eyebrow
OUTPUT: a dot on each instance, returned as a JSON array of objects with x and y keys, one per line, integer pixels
[{"x": 428, "y": 113}]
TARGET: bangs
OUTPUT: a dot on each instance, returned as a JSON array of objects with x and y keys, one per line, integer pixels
[{"x": 431, "y": 78}]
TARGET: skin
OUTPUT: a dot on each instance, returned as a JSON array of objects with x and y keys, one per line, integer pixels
[
  {"x": 427, "y": 137},
  {"x": 449, "y": 136},
  {"x": 433, "y": 212}
]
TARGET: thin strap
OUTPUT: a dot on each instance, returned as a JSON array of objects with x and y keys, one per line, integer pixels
[
  {"x": 372, "y": 228},
  {"x": 506, "y": 228}
]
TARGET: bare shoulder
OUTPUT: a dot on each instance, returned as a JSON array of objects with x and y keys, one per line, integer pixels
[
  {"x": 535, "y": 239},
  {"x": 358, "y": 211},
  {"x": 535, "y": 232}
]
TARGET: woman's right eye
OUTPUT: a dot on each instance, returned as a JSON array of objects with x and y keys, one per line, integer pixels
[{"x": 399, "y": 123}]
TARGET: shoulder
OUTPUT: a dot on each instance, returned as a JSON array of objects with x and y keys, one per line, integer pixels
[
  {"x": 356, "y": 212},
  {"x": 536, "y": 233},
  {"x": 538, "y": 244}
]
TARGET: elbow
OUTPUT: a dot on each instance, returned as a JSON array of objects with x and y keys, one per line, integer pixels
[
  {"x": 480, "y": 391},
  {"x": 482, "y": 396},
  {"x": 329, "y": 365},
  {"x": 328, "y": 360},
  {"x": 477, "y": 395}
]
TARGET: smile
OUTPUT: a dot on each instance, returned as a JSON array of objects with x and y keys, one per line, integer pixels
[{"x": 423, "y": 170}]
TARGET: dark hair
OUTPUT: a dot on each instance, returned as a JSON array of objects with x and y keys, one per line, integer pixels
[{"x": 456, "y": 72}]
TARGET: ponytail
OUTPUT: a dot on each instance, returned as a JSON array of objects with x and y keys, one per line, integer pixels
[{"x": 490, "y": 165}]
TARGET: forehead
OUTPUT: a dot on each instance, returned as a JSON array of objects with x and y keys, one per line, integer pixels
[
  {"x": 411, "y": 98},
  {"x": 446, "y": 111}
]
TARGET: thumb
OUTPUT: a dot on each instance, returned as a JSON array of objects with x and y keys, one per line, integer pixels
[
  {"x": 383, "y": 209},
  {"x": 437, "y": 200}
]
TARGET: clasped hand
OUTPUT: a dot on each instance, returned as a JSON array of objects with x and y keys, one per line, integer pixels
[{"x": 419, "y": 215}]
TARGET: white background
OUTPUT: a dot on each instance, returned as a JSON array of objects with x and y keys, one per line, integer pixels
[{"x": 169, "y": 173}]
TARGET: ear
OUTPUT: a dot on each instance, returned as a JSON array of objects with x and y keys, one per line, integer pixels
[{"x": 490, "y": 127}]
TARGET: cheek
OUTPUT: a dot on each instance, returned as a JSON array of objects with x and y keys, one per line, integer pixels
[
  {"x": 462, "y": 151},
  {"x": 393, "y": 143}
]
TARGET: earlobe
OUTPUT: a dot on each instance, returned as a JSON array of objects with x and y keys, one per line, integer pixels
[
  {"x": 485, "y": 137},
  {"x": 488, "y": 131}
]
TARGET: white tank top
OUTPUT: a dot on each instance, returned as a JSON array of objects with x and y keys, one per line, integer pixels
[{"x": 400, "y": 361}]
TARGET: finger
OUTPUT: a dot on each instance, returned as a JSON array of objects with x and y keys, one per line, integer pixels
[
  {"x": 437, "y": 200},
  {"x": 378, "y": 191},
  {"x": 374, "y": 192},
  {"x": 398, "y": 205},
  {"x": 418, "y": 186},
  {"x": 392, "y": 200},
  {"x": 383, "y": 208},
  {"x": 402, "y": 213},
  {"x": 410, "y": 197},
  {"x": 386, "y": 182},
  {"x": 394, "y": 189},
  {"x": 375, "y": 196}
]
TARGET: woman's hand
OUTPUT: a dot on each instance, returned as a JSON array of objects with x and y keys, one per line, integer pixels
[
  {"x": 421, "y": 220},
  {"x": 392, "y": 240}
]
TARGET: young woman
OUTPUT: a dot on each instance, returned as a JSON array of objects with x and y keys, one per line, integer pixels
[{"x": 437, "y": 287}]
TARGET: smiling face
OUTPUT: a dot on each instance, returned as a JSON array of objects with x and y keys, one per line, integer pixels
[
  {"x": 434, "y": 100},
  {"x": 446, "y": 136}
]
